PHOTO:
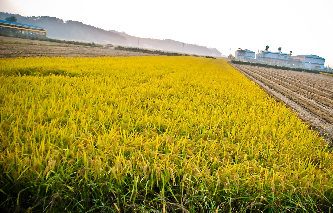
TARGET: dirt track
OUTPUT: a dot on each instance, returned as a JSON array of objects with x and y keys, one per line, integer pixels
[
  {"x": 17, "y": 47},
  {"x": 309, "y": 95}
]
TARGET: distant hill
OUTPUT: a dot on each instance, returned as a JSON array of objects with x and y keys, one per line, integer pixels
[
  {"x": 69, "y": 30},
  {"x": 168, "y": 45},
  {"x": 78, "y": 31}
]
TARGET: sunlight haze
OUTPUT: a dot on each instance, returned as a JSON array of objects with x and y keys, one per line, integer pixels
[{"x": 301, "y": 26}]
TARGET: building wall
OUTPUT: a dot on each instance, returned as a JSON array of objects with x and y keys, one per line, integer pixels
[
  {"x": 245, "y": 54},
  {"x": 310, "y": 61},
  {"x": 276, "y": 58}
]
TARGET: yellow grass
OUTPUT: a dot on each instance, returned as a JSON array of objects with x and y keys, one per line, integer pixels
[{"x": 151, "y": 133}]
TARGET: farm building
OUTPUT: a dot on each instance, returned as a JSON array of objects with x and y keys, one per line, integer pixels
[
  {"x": 277, "y": 58},
  {"x": 8, "y": 26},
  {"x": 245, "y": 54},
  {"x": 309, "y": 61}
]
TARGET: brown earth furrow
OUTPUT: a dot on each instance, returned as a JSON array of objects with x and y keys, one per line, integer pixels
[
  {"x": 321, "y": 86},
  {"x": 311, "y": 106},
  {"x": 319, "y": 100},
  {"x": 324, "y": 102},
  {"x": 280, "y": 96},
  {"x": 302, "y": 84},
  {"x": 296, "y": 97},
  {"x": 307, "y": 79},
  {"x": 298, "y": 82}
]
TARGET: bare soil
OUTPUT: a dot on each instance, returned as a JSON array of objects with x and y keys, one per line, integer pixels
[
  {"x": 309, "y": 95},
  {"x": 11, "y": 47}
]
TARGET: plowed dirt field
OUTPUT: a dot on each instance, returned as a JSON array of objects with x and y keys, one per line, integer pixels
[
  {"x": 309, "y": 95},
  {"x": 11, "y": 47}
]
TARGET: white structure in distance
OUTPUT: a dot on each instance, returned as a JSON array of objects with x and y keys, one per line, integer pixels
[
  {"x": 277, "y": 58},
  {"x": 282, "y": 59},
  {"x": 310, "y": 61},
  {"x": 244, "y": 54}
]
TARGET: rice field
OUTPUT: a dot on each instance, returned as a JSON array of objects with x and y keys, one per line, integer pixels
[{"x": 152, "y": 134}]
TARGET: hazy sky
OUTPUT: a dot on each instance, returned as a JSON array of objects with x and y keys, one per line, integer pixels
[{"x": 303, "y": 26}]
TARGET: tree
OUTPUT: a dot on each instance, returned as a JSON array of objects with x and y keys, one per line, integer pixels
[
  {"x": 11, "y": 19},
  {"x": 231, "y": 56}
]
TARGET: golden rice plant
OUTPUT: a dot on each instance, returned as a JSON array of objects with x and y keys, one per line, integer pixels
[{"x": 169, "y": 134}]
